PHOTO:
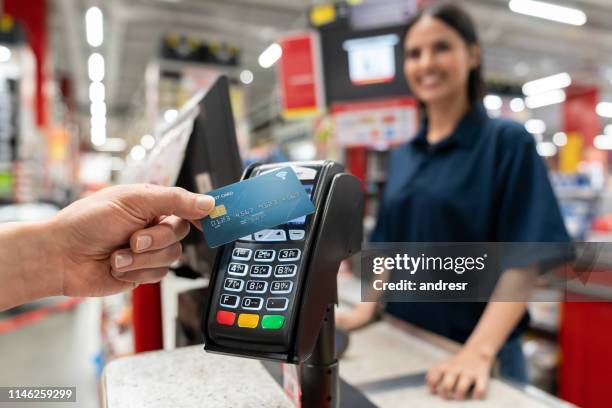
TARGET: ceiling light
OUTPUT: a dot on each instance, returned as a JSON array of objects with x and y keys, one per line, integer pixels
[
  {"x": 517, "y": 105},
  {"x": 138, "y": 153},
  {"x": 94, "y": 23},
  {"x": 493, "y": 102},
  {"x": 98, "y": 121},
  {"x": 170, "y": 115},
  {"x": 560, "y": 139},
  {"x": 112, "y": 144},
  {"x": 545, "y": 99},
  {"x": 5, "y": 53},
  {"x": 246, "y": 77},
  {"x": 97, "y": 92},
  {"x": 535, "y": 126},
  {"x": 546, "y": 149},
  {"x": 95, "y": 67},
  {"x": 549, "y": 11},
  {"x": 147, "y": 141},
  {"x": 604, "y": 109},
  {"x": 603, "y": 142},
  {"x": 98, "y": 136},
  {"x": 270, "y": 55},
  {"x": 98, "y": 109},
  {"x": 538, "y": 86}
]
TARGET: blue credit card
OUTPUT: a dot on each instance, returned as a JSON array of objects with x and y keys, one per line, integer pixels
[{"x": 257, "y": 203}]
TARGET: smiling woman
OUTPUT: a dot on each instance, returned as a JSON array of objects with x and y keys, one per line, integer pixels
[{"x": 465, "y": 177}]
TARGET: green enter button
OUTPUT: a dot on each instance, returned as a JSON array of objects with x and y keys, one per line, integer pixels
[{"x": 272, "y": 321}]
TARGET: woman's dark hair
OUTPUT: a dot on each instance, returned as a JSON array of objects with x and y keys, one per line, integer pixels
[{"x": 459, "y": 20}]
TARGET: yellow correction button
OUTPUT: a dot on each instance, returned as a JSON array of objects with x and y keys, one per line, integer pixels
[{"x": 248, "y": 320}]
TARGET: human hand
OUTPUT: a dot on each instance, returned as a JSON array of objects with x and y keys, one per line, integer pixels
[
  {"x": 453, "y": 378},
  {"x": 358, "y": 317},
  {"x": 122, "y": 236}
]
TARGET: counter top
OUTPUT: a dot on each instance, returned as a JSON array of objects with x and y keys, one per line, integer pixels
[
  {"x": 388, "y": 366},
  {"x": 383, "y": 361},
  {"x": 386, "y": 361},
  {"x": 189, "y": 378}
]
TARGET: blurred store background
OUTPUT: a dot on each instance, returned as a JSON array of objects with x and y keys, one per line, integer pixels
[{"x": 86, "y": 88}]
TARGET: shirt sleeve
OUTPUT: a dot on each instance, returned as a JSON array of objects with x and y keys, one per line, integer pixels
[
  {"x": 528, "y": 210},
  {"x": 383, "y": 230}
]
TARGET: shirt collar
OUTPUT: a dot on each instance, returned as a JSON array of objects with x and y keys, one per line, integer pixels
[{"x": 464, "y": 134}]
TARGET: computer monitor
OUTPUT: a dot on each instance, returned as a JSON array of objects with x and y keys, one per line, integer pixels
[{"x": 211, "y": 159}]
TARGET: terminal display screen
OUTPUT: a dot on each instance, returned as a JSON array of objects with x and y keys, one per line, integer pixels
[{"x": 302, "y": 220}]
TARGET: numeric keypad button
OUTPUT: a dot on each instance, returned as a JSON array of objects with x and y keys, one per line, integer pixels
[
  {"x": 261, "y": 271},
  {"x": 256, "y": 286},
  {"x": 233, "y": 285},
  {"x": 264, "y": 255},
  {"x": 281, "y": 287},
  {"x": 289, "y": 255},
  {"x": 237, "y": 269},
  {"x": 285, "y": 271},
  {"x": 241, "y": 254},
  {"x": 252, "y": 303}
]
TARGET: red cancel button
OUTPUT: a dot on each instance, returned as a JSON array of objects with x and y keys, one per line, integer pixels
[{"x": 226, "y": 318}]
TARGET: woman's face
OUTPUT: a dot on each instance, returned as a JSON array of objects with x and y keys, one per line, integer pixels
[{"x": 437, "y": 60}]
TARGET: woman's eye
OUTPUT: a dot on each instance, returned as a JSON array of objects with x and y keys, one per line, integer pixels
[
  {"x": 412, "y": 54},
  {"x": 442, "y": 46}
]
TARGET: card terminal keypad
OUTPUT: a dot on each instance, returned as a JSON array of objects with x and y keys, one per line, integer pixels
[{"x": 260, "y": 282}]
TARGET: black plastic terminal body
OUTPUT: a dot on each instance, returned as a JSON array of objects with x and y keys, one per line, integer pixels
[{"x": 333, "y": 233}]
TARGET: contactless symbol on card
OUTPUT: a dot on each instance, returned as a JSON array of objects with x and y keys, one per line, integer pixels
[{"x": 254, "y": 204}]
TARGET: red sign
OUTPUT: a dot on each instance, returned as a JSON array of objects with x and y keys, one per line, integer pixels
[{"x": 299, "y": 76}]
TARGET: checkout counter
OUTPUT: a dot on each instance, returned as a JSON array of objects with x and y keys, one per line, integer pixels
[{"x": 385, "y": 361}]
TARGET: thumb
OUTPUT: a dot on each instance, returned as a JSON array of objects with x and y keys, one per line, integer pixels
[{"x": 158, "y": 200}]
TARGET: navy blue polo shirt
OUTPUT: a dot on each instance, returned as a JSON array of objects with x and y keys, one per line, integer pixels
[{"x": 483, "y": 183}]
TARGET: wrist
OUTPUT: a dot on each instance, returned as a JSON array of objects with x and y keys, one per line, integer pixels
[
  {"x": 483, "y": 350},
  {"x": 44, "y": 268}
]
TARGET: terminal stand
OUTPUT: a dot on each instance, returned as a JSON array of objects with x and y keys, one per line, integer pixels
[{"x": 319, "y": 376}]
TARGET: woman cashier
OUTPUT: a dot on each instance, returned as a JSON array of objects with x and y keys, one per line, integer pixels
[{"x": 465, "y": 177}]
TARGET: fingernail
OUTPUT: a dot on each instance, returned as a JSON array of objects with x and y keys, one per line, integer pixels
[
  {"x": 205, "y": 202},
  {"x": 119, "y": 275},
  {"x": 122, "y": 260},
  {"x": 143, "y": 242}
]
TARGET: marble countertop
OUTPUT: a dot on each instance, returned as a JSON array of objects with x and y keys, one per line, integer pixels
[
  {"x": 386, "y": 361},
  {"x": 188, "y": 378}
]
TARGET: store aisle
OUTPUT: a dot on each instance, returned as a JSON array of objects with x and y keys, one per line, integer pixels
[{"x": 57, "y": 351}]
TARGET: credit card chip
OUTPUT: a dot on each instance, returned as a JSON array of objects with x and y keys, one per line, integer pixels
[{"x": 218, "y": 211}]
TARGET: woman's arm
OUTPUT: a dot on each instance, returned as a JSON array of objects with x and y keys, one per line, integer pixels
[
  {"x": 471, "y": 366},
  {"x": 363, "y": 313}
]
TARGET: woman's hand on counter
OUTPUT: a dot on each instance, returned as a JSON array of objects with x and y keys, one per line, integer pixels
[
  {"x": 465, "y": 374},
  {"x": 102, "y": 244},
  {"x": 358, "y": 317}
]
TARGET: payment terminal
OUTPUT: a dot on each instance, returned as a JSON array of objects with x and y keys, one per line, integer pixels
[{"x": 270, "y": 292}]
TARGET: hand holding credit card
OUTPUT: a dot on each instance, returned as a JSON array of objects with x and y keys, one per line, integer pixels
[{"x": 254, "y": 204}]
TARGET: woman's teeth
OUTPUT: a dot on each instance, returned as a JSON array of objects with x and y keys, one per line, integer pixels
[{"x": 429, "y": 80}]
